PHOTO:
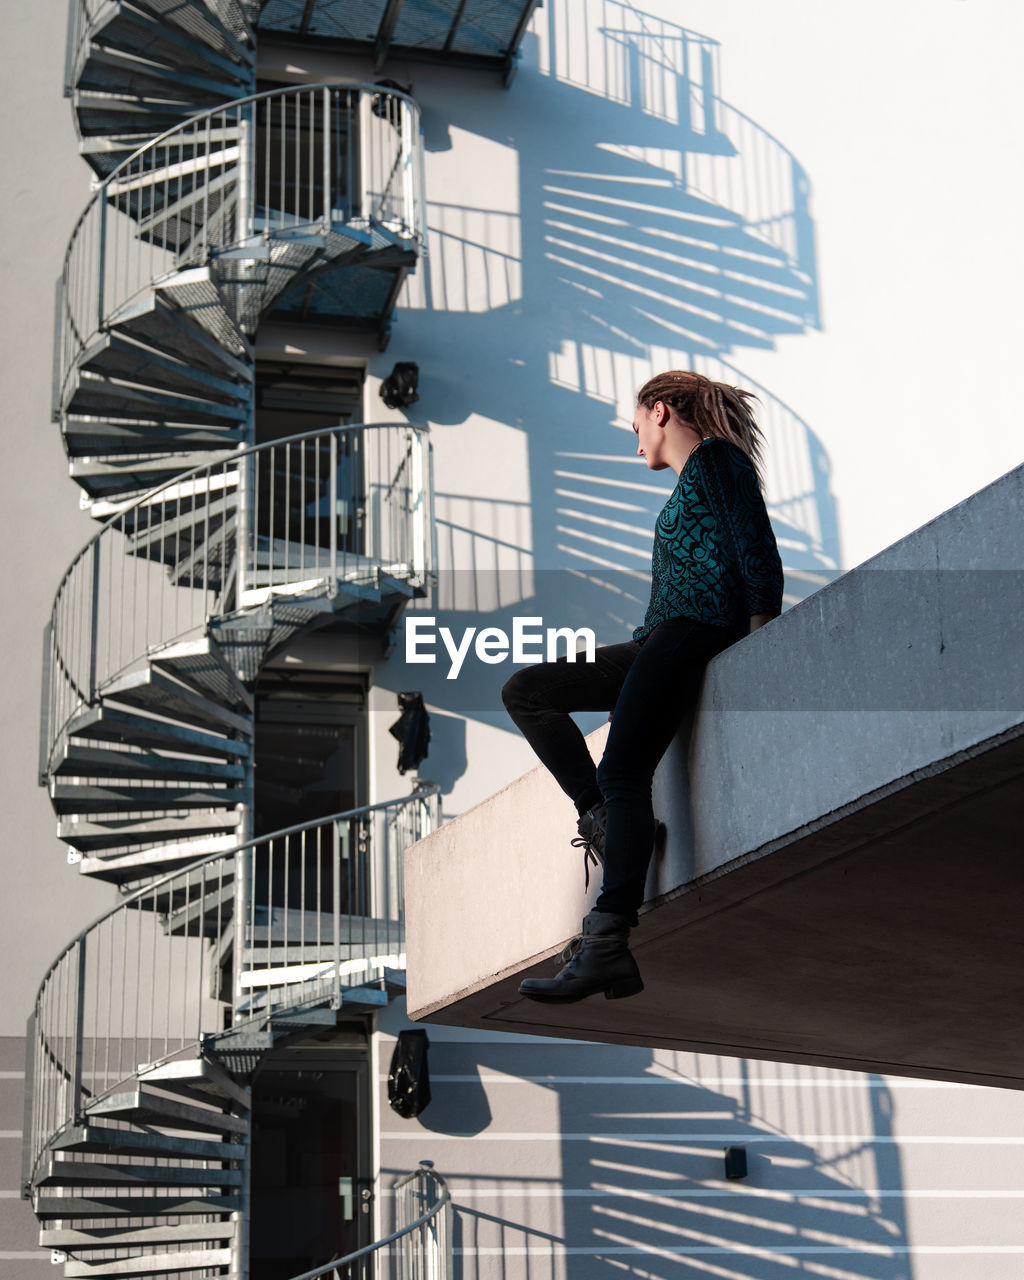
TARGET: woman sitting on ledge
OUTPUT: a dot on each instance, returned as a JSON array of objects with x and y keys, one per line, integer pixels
[{"x": 715, "y": 576}]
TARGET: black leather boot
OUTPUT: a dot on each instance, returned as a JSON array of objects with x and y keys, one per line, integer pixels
[
  {"x": 591, "y": 828},
  {"x": 598, "y": 960}
]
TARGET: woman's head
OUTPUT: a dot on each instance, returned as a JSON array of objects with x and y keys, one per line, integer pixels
[{"x": 710, "y": 408}]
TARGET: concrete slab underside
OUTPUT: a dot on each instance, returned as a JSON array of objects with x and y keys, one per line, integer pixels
[{"x": 889, "y": 939}]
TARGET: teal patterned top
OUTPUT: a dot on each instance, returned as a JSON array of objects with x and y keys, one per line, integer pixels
[{"x": 715, "y": 557}]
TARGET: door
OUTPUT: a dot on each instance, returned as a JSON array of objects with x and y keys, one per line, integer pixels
[{"x": 311, "y": 1175}]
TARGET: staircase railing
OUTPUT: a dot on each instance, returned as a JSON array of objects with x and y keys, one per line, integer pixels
[
  {"x": 316, "y": 159},
  {"x": 312, "y": 513},
  {"x": 294, "y": 918},
  {"x": 423, "y": 1239}
]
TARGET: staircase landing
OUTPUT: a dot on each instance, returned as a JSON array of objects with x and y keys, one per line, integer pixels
[{"x": 843, "y": 885}]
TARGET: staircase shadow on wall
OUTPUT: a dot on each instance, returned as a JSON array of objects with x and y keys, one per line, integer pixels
[{"x": 639, "y": 237}]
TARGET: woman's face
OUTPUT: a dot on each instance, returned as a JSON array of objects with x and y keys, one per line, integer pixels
[{"x": 650, "y": 432}]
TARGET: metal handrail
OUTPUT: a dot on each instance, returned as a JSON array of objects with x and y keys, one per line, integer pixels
[
  {"x": 436, "y": 1255},
  {"x": 312, "y": 512},
  {"x": 309, "y": 912},
  {"x": 243, "y": 174}
]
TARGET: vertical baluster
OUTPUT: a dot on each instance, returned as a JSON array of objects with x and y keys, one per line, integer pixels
[
  {"x": 303, "y": 446},
  {"x": 336, "y": 910},
  {"x": 332, "y": 507},
  {"x": 136, "y": 1021},
  {"x": 288, "y": 499},
  {"x": 328, "y": 181},
  {"x": 274, "y": 534}
]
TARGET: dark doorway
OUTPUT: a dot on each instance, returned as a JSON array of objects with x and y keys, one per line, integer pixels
[
  {"x": 310, "y": 745},
  {"x": 311, "y": 1171}
]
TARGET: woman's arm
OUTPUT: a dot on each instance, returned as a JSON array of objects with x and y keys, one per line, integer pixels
[{"x": 729, "y": 482}]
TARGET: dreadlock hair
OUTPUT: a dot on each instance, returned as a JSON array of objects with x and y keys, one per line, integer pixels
[{"x": 711, "y": 408}]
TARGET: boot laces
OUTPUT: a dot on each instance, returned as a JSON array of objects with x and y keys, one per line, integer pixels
[
  {"x": 590, "y": 855},
  {"x": 570, "y": 951}
]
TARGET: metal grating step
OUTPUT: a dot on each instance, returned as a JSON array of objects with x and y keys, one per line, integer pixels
[
  {"x": 124, "y": 1237},
  {"x": 150, "y": 1264},
  {"x": 111, "y": 724},
  {"x": 128, "y": 868},
  {"x": 122, "y": 355},
  {"x": 69, "y": 798},
  {"x": 156, "y": 320},
  {"x": 49, "y": 1207},
  {"x": 153, "y": 690},
  {"x": 106, "y": 436},
  {"x": 82, "y": 761},
  {"x": 103, "y": 1140},
  {"x": 70, "y": 1172},
  {"x": 97, "y": 393},
  {"x": 202, "y": 665},
  {"x": 197, "y": 1075},
  {"x": 145, "y": 1106}
]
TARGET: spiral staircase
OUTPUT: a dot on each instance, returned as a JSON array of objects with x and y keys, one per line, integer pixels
[{"x": 215, "y": 206}]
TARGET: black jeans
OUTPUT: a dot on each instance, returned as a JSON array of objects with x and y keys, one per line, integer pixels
[{"x": 649, "y": 686}]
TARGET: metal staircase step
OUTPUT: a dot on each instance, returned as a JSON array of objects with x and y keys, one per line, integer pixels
[
  {"x": 50, "y": 1207},
  {"x": 93, "y": 392},
  {"x": 201, "y": 904},
  {"x": 121, "y": 355},
  {"x": 110, "y": 724},
  {"x": 128, "y": 478},
  {"x": 69, "y": 798},
  {"x": 197, "y": 1075},
  {"x": 144, "y": 1106},
  {"x": 142, "y": 511},
  {"x": 102, "y": 1140},
  {"x": 87, "y": 435},
  {"x": 159, "y": 39},
  {"x": 125, "y": 868},
  {"x": 150, "y": 1264},
  {"x": 208, "y": 518},
  {"x": 202, "y": 665},
  {"x": 123, "y": 1237},
  {"x": 131, "y": 74},
  {"x": 180, "y": 834},
  {"x": 109, "y": 762},
  {"x": 363, "y": 997},
  {"x": 194, "y": 295},
  {"x": 156, "y": 320},
  {"x": 70, "y": 1172},
  {"x": 153, "y": 690}
]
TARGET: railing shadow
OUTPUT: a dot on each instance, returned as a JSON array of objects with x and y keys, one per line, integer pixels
[
  {"x": 643, "y": 224},
  {"x": 632, "y": 1179}
]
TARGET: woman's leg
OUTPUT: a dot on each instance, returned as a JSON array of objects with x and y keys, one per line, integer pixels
[
  {"x": 661, "y": 685},
  {"x": 539, "y": 699}
]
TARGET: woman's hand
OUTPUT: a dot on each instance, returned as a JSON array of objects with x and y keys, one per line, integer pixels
[{"x": 759, "y": 619}]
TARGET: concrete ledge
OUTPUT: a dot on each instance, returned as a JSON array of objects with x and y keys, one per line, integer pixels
[{"x": 841, "y": 879}]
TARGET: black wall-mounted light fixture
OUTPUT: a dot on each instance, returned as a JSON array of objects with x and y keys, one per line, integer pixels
[
  {"x": 735, "y": 1162},
  {"x": 398, "y": 390}
]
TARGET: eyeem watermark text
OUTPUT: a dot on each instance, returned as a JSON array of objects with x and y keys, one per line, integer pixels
[{"x": 531, "y": 641}]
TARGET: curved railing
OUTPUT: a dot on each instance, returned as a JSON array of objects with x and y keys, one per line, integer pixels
[
  {"x": 423, "y": 1239},
  {"x": 315, "y": 160},
  {"x": 312, "y": 514},
  {"x": 290, "y": 919}
]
